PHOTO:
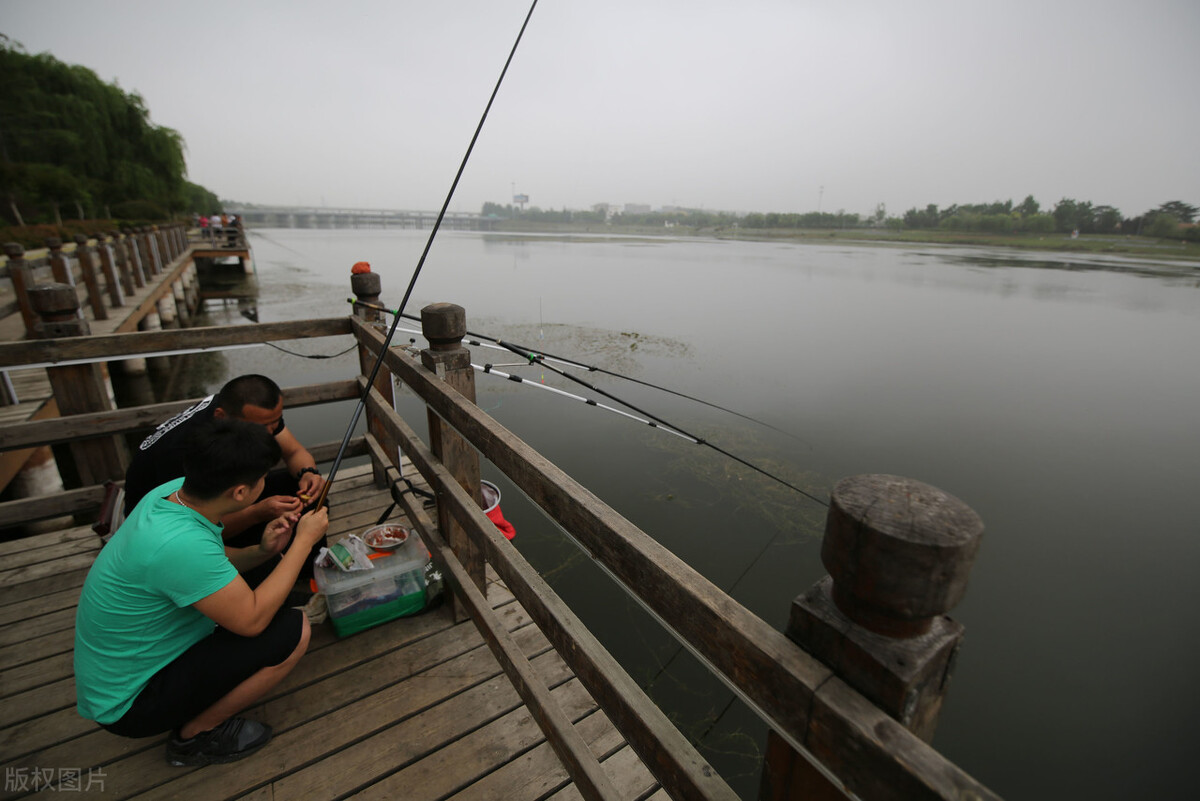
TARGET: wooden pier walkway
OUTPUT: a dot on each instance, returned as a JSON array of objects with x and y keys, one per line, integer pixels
[{"x": 417, "y": 708}]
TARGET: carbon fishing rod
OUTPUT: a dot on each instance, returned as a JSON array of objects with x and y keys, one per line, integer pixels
[
  {"x": 653, "y": 421},
  {"x": 362, "y": 400},
  {"x": 482, "y": 340},
  {"x": 534, "y": 358}
]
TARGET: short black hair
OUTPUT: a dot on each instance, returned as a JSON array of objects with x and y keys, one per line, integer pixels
[
  {"x": 224, "y": 453},
  {"x": 248, "y": 390}
]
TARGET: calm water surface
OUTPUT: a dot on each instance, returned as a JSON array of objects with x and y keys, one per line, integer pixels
[{"x": 1057, "y": 397}]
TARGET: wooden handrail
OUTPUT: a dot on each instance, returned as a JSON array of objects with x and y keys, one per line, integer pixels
[
  {"x": 117, "y": 346},
  {"x": 797, "y": 695},
  {"x": 661, "y": 746},
  {"x": 142, "y": 418}
]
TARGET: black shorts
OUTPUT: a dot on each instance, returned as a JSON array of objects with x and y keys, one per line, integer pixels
[{"x": 205, "y": 673}]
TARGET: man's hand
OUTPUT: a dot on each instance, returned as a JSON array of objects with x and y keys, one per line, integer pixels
[
  {"x": 278, "y": 505},
  {"x": 311, "y": 485},
  {"x": 311, "y": 528},
  {"x": 277, "y": 534}
]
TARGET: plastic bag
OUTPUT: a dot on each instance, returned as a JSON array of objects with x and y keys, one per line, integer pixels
[{"x": 348, "y": 555}]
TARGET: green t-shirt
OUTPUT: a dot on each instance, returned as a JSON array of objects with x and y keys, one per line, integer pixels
[{"x": 135, "y": 614}]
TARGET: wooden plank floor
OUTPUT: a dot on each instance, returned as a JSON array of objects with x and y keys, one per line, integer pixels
[{"x": 417, "y": 708}]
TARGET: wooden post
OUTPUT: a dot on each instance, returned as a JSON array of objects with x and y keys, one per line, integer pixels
[
  {"x": 366, "y": 288},
  {"x": 87, "y": 266},
  {"x": 124, "y": 263},
  {"x": 152, "y": 257},
  {"x": 163, "y": 245},
  {"x": 108, "y": 265},
  {"x": 898, "y": 553},
  {"x": 136, "y": 263},
  {"x": 60, "y": 265},
  {"x": 78, "y": 388},
  {"x": 21, "y": 275},
  {"x": 445, "y": 325}
]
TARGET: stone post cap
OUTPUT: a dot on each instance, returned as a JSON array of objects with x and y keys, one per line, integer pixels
[
  {"x": 444, "y": 324},
  {"x": 899, "y": 551},
  {"x": 14, "y": 250},
  {"x": 365, "y": 285},
  {"x": 53, "y": 299}
]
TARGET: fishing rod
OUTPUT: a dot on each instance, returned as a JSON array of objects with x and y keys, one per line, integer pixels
[
  {"x": 490, "y": 369},
  {"x": 482, "y": 340},
  {"x": 654, "y": 421},
  {"x": 362, "y": 400},
  {"x": 535, "y": 359}
]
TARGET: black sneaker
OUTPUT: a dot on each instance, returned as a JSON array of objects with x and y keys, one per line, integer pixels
[{"x": 232, "y": 740}]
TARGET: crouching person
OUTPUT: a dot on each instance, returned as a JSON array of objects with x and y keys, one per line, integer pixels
[{"x": 168, "y": 636}]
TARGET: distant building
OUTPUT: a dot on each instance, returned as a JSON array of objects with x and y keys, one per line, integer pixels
[{"x": 637, "y": 208}]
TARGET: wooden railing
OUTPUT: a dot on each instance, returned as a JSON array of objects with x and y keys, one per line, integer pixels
[
  {"x": 106, "y": 270},
  {"x": 831, "y": 731}
]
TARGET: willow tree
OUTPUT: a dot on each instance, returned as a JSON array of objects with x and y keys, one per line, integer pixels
[{"x": 68, "y": 140}]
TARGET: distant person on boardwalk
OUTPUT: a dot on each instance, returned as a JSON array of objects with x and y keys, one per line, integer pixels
[
  {"x": 214, "y": 224},
  {"x": 255, "y": 399},
  {"x": 204, "y": 234},
  {"x": 168, "y": 636}
]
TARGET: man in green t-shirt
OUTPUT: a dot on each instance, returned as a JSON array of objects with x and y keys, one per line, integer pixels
[{"x": 168, "y": 636}]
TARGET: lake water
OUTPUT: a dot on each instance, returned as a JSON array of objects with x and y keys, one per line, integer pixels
[{"x": 1058, "y": 396}]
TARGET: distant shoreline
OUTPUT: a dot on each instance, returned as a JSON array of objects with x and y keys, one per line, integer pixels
[{"x": 1175, "y": 250}]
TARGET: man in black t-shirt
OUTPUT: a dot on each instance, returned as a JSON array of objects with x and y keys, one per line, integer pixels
[{"x": 255, "y": 399}]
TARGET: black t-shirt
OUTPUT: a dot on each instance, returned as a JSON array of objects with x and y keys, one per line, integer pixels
[{"x": 160, "y": 456}]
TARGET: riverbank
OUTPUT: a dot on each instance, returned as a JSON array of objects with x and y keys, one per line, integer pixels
[{"x": 1062, "y": 243}]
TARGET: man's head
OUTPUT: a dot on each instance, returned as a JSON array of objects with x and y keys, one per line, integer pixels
[
  {"x": 253, "y": 398},
  {"x": 228, "y": 456}
]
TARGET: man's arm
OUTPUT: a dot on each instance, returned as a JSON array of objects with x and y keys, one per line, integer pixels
[
  {"x": 247, "y": 612},
  {"x": 297, "y": 457},
  {"x": 275, "y": 538},
  {"x": 266, "y": 509}
]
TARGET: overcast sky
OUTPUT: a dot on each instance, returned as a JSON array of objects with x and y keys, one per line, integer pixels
[{"x": 751, "y": 105}]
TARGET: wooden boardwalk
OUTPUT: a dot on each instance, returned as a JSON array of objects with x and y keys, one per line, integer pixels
[{"x": 417, "y": 708}]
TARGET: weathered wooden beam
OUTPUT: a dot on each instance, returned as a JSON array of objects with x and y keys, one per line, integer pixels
[
  {"x": 659, "y": 744},
  {"x": 771, "y": 672},
  {"x": 445, "y": 325},
  {"x": 87, "y": 266},
  {"x": 13, "y": 513},
  {"x": 78, "y": 388},
  {"x": 589, "y": 777},
  {"x": 365, "y": 287},
  {"x": 117, "y": 346},
  {"x": 89, "y": 499},
  {"x": 143, "y": 418},
  {"x": 21, "y": 276}
]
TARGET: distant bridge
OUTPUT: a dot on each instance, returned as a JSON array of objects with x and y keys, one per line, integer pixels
[{"x": 313, "y": 217}]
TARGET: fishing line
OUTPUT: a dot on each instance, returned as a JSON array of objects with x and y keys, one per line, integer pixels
[
  {"x": 362, "y": 401},
  {"x": 312, "y": 355},
  {"x": 481, "y": 340},
  {"x": 490, "y": 370},
  {"x": 537, "y": 358}
]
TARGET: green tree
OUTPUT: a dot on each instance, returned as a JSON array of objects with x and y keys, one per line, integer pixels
[
  {"x": 1071, "y": 215},
  {"x": 1028, "y": 207},
  {"x": 1107, "y": 220},
  {"x": 68, "y": 139},
  {"x": 1179, "y": 210},
  {"x": 1162, "y": 225}
]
